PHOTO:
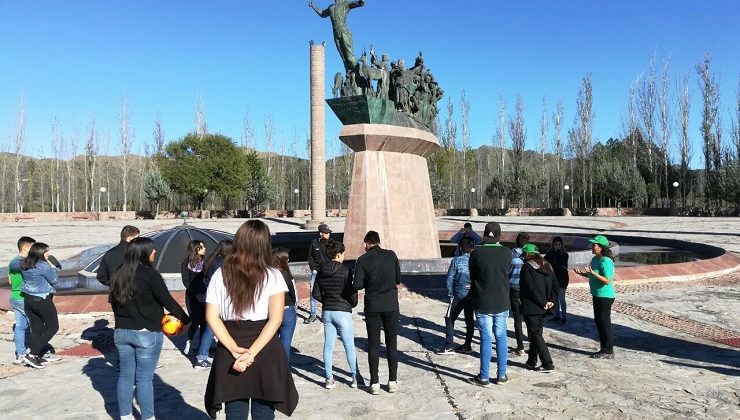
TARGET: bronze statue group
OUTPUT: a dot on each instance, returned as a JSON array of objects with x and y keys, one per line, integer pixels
[{"x": 243, "y": 295}]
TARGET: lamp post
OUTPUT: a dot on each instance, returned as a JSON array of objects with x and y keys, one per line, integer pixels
[
  {"x": 100, "y": 192},
  {"x": 567, "y": 188},
  {"x": 296, "y": 198},
  {"x": 472, "y": 195},
  {"x": 675, "y": 190}
]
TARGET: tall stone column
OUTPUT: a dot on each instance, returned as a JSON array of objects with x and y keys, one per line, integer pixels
[{"x": 318, "y": 137}]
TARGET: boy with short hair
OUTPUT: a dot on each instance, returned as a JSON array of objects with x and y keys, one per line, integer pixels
[
  {"x": 458, "y": 286},
  {"x": 15, "y": 279}
]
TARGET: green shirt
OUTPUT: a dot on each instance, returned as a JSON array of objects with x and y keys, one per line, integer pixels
[
  {"x": 16, "y": 281},
  {"x": 603, "y": 266}
]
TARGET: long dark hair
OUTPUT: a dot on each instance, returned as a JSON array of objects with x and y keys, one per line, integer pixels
[
  {"x": 562, "y": 244},
  {"x": 224, "y": 248},
  {"x": 123, "y": 284},
  {"x": 192, "y": 258},
  {"x": 245, "y": 268},
  {"x": 35, "y": 254},
  {"x": 606, "y": 252},
  {"x": 280, "y": 258}
]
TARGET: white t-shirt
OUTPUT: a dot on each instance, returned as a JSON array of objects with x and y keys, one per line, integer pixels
[{"x": 218, "y": 295}]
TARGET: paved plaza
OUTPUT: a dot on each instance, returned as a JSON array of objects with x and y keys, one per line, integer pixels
[{"x": 676, "y": 349}]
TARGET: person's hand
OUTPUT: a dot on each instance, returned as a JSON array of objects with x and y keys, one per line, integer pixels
[
  {"x": 549, "y": 305},
  {"x": 236, "y": 352},
  {"x": 243, "y": 362}
]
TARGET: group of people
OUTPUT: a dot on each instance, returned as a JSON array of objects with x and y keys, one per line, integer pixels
[
  {"x": 488, "y": 282},
  {"x": 244, "y": 295}
]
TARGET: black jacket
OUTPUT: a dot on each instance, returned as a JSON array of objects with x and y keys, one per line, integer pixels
[
  {"x": 193, "y": 281},
  {"x": 290, "y": 297},
  {"x": 537, "y": 288},
  {"x": 145, "y": 309},
  {"x": 335, "y": 286},
  {"x": 317, "y": 253},
  {"x": 379, "y": 273},
  {"x": 559, "y": 262},
  {"x": 489, "y": 265},
  {"x": 112, "y": 259}
]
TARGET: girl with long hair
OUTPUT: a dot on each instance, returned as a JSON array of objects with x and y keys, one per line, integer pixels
[
  {"x": 138, "y": 296},
  {"x": 214, "y": 262},
  {"x": 244, "y": 307},
  {"x": 195, "y": 291},
  {"x": 538, "y": 287},
  {"x": 280, "y": 258},
  {"x": 600, "y": 276},
  {"x": 39, "y": 278},
  {"x": 557, "y": 256}
]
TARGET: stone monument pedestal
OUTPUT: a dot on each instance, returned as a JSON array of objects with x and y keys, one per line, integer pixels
[{"x": 391, "y": 193}]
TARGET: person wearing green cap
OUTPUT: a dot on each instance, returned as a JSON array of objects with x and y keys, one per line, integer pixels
[
  {"x": 600, "y": 276},
  {"x": 538, "y": 287}
]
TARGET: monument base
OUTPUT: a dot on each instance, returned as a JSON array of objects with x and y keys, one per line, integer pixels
[
  {"x": 391, "y": 192},
  {"x": 312, "y": 224}
]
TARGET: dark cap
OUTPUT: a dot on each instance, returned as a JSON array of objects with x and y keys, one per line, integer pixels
[
  {"x": 492, "y": 231},
  {"x": 324, "y": 228}
]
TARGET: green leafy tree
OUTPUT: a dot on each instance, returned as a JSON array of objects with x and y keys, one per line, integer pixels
[
  {"x": 196, "y": 165},
  {"x": 155, "y": 188},
  {"x": 258, "y": 188}
]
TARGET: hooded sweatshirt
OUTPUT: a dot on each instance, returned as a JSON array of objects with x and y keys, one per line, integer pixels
[{"x": 335, "y": 284}]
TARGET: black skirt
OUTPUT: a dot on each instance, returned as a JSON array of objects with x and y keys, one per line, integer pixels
[{"x": 268, "y": 378}]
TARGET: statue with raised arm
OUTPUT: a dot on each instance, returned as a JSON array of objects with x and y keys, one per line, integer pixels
[{"x": 337, "y": 12}]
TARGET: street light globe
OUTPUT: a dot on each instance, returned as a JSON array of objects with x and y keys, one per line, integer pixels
[
  {"x": 675, "y": 184},
  {"x": 295, "y": 191},
  {"x": 566, "y": 188},
  {"x": 103, "y": 189},
  {"x": 472, "y": 190}
]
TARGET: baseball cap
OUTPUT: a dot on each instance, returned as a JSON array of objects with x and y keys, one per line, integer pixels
[
  {"x": 600, "y": 239},
  {"x": 530, "y": 249},
  {"x": 324, "y": 228}
]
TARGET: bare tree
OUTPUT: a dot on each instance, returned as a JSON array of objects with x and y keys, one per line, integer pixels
[
  {"x": 201, "y": 127},
  {"x": 247, "y": 131},
  {"x": 518, "y": 134},
  {"x": 91, "y": 157},
  {"x": 585, "y": 116},
  {"x": 158, "y": 134},
  {"x": 632, "y": 123},
  {"x": 70, "y": 163},
  {"x": 557, "y": 143},
  {"x": 3, "y": 187},
  {"x": 19, "y": 142},
  {"x": 126, "y": 140},
  {"x": 736, "y": 127},
  {"x": 647, "y": 115},
  {"x": 543, "y": 150},
  {"x": 684, "y": 106},
  {"x": 465, "y": 126},
  {"x": 57, "y": 147},
  {"x": 450, "y": 142},
  {"x": 665, "y": 125},
  {"x": 501, "y": 137},
  {"x": 269, "y": 141},
  {"x": 709, "y": 89}
]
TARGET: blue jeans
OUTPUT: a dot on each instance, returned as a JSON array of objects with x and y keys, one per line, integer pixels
[
  {"x": 239, "y": 410},
  {"x": 205, "y": 343},
  {"x": 339, "y": 321},
  {"x": 138, "y": 352},
  {"x": 490, "y": 325},
  {"x": 285, "y": 333},
  {"x": 311, "y": 300},
  {"x": 561, "y": 310},
  {"x": 20, "y": 328}
]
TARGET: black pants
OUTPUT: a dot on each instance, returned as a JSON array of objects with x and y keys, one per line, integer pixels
[
  {"x": 537, "y": 345},
  {"x": 389, "y": 322},
  {"x": 603, "y": 319},
  {"x": 197, "y": 313},
  {"x": 42, "y": 315},
  {"x": 460, "y": 305},
  {"x": 239, "y": 409},
  {"x": 516, "y": 313}
]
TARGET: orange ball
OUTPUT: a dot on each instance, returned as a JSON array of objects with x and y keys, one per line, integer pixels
[{"x": 171, "y": 326}]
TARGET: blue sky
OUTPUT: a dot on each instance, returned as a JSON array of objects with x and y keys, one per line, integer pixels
[{"x": 74, "y": 60}]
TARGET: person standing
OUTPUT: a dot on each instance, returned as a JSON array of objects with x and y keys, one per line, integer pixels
[
  {"x": 15, "y": 279},
  {"x": 458, "y": 287},
  {"x": 466, "y": 232},
  {"x": 280, "y": 257},
  {"x": 490, "y": 265},
  {"x": 538, "y": 293},
  {"x": 244, "y": 307},
  {"x": 517, "y": 261},
  {"x": 378, "y": 271},
  {"x": 193, "y": 275},
  {"x": 138, "y": 296},
  {"x": 37, "y": 289},
  {"x": 316, "y": 257},
  {"x": 337, "y": 297},
  {"x": 113, "y": 258},
  {"x": 557, "y": 256},
  {"x": 600, "y": 276}
]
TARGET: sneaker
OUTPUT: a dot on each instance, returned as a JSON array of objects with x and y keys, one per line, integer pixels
[
  {"x": 375, "y": 389},
  {"x": 310, "y": 319},
  {"x": 446, "y": 351},
  {"x": 476, "y": 380},
  {"x": 329, "y": 384},
  {"x": 354, "y": 383},
  {"x": 546, "y": 369},
  {"x": 51, "y": 357},
  {"x": 33, "y": 361},
  {"x": 463, "y": 349},
  {"x": 601, "y": 355},
  {"x": 392, "y": 386},
  {"x": 500, "y": 381},
  {"x": 531, "y": 366},
  {"x": 518, "y": 352},
  {"x": 19, "y": 360},
  {"x": 203, "y": 364}
]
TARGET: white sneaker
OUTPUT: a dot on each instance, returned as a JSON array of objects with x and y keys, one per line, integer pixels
[
  {"x": 375, "y": 389},
  {"x": 392, "y": 386},
  {"x": 51, "y": 357},
  {"x": 19, "y": 360}
]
